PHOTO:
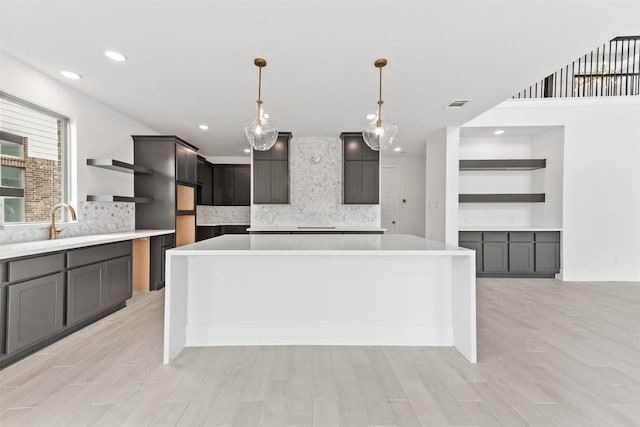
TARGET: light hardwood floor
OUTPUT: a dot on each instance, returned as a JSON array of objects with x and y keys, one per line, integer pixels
[{"x": 550, "y": 353}]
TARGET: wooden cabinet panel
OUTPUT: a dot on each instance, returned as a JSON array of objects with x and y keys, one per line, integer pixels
[
  {"x": 34, "y": 310},
  {"x": 84, "y": 292},
  {"x": 521, "y": 257},
  {"x": 494, "y": 257}
]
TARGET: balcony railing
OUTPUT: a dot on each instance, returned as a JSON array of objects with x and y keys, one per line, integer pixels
[{"x": 612, "y": 69}]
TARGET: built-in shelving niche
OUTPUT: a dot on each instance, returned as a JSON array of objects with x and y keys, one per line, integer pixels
[{"x": 118, "y": 166}]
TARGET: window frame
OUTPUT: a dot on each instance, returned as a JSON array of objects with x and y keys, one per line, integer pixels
[{"x": 65, "y": 155}]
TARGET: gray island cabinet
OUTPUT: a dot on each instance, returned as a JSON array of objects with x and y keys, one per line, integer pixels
[
  {"x": 48, "y": 296},
  {"x": 514, "y": 253}
]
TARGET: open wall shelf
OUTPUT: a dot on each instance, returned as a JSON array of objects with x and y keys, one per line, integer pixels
[
  {"x": 118, "y": 166},
  {"x": 503, "y": 165},
  {"x": 502, "y": 198},
  {"x": 124, "y": 199}
]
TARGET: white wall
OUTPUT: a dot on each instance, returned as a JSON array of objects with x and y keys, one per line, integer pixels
[
  {"x": 97, "y": 131},
  {"x": 442, "y": 154},
  {"x": 411, "y": 187},
  {"x": 549, "y": 146},
  {"x": 601, "y": 179}
]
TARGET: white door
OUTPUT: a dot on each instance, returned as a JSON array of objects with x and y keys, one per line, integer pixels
[{"x": 389, "y": 198}]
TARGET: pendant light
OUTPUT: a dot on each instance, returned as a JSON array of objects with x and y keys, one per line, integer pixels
[
  {"x": 260, "y": 134},
  {"x": 378, "y": 134}
]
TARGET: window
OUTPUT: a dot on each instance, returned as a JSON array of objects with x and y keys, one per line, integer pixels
[{"x": 33, "y": 146}]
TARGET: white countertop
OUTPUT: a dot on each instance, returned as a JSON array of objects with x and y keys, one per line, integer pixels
[
  {"x": 320, "y": 244},
  {"x": 217, "y": 224},
  {"x": 506, "y": 228},
  {"x": 15, "y": 250},
  {"x": 339, "y": 228}
]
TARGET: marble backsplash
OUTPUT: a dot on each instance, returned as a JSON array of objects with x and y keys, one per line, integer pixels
[
  {"x": 206, "y": 215},
  {"x": 315, "y": 190},
  {"x": 93, "y": 218}
]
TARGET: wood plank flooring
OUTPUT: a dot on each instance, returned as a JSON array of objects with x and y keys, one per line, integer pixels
[{"x": 550, "y": 354}]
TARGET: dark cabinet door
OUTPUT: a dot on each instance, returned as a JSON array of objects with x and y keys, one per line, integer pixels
[
  {"x": 222, "y": 185},
  {"x": 191, "y": 160},
  {"x": 495, "y": 257},
  {"x": 476, "y": 246},
  {"x": 352, "y": 174},
  {"x": 279, "y": 181},
  {"x": 155, "y": 262},
  {"x": 206, "y": 190},
  {"x": 241, "y": 185},
  {"x": 118, "y": 285},
  {"x": 261, "y": 181},
  {"x": 34, "y": 310},
  {"x": 84, "y": 292},
  {"x": 204, "y": 232},
  {"x": 200, "y": 170},
  {"x": 521, "y": 257},
  {"x": 547, "y": 257},
  {"x": 181, "y": 163},
  {"x": 369, "y": 192}
]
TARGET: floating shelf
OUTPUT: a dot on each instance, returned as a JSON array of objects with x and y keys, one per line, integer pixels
[
  {"x": 118, "y": 166},
  {"x": 124, "y": 199},
  {"x": 502, "y": 198},
  {"x": 503, "y": 164},
  {"x": 11, "y": 192}
]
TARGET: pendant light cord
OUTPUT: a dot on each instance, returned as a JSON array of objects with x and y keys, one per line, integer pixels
[
  {"x": 380, "y": 101},
  {"x": 258, "y": 121}
]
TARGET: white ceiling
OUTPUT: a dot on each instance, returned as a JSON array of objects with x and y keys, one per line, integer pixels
[
  {"x": 191, "y": 62},
  {"x": 474, "y": 132}
]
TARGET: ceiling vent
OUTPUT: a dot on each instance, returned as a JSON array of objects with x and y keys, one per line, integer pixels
[{"x": 458, "y": 103}]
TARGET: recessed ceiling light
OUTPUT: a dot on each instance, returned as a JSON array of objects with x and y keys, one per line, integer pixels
[
  {"x": 266, "y": 115},
  {"x": 371, "y": 116},
  {"x": 71, "y": 75},
  {"x": 458, "y": 103},
  {"x": 397, "y": 149},
  {"x": 247, "y": 150},
  {"x": 498, "y": 132},
  {"x": 203, "y": 127},
  {"x": 115, "y": 56}
]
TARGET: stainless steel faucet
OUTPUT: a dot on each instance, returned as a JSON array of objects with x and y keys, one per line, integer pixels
[{"x": 52, "y": 215}]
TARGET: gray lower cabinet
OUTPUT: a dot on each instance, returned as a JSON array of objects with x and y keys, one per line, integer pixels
[
  {"x": 84, "y": 292},
  {"x": 514, "y": 253},
  {"x": 34, "y": 310},
  {"x": 495, "y": 257},
  {"x": 547, "y": 257},
  {"x": 521, "y": 257},
  {"x": 118, "y": 284}
]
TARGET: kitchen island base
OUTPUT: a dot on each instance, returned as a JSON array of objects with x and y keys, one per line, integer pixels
[{"x": 349, "y": 290}]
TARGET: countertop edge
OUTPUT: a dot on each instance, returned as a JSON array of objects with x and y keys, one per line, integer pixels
[
  {"x": 13, "y": 250},
  {"x": 317, "y": 252}
]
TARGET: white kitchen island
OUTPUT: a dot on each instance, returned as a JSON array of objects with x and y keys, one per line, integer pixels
[{"x": 391, "y": 290}]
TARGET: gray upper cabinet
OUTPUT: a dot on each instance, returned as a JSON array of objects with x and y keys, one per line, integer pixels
[
  {"x": 271, "y": 172},
  {"x": 231, "y": 185},
  {"x": 34, "y": 310},
  {"x": 361, "y": 171},
  {"x": 186, "y": 164}
]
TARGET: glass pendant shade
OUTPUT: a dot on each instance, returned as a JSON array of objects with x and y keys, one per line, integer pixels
[
  {"x": 261, "y": 135},
  {"x": 379, "y": 137}
]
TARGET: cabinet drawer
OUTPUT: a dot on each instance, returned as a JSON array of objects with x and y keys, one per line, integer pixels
[
  {"x": 521, "y": 236},
  {"x": 470, "y": 236},
  {"x": 34, "y": 267},
  {"x": 167, "y": 240},
  {"x": 495, "y": 236},
  {"x": 98, "y": 253},
  {"x": 547, "y": 236}
]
